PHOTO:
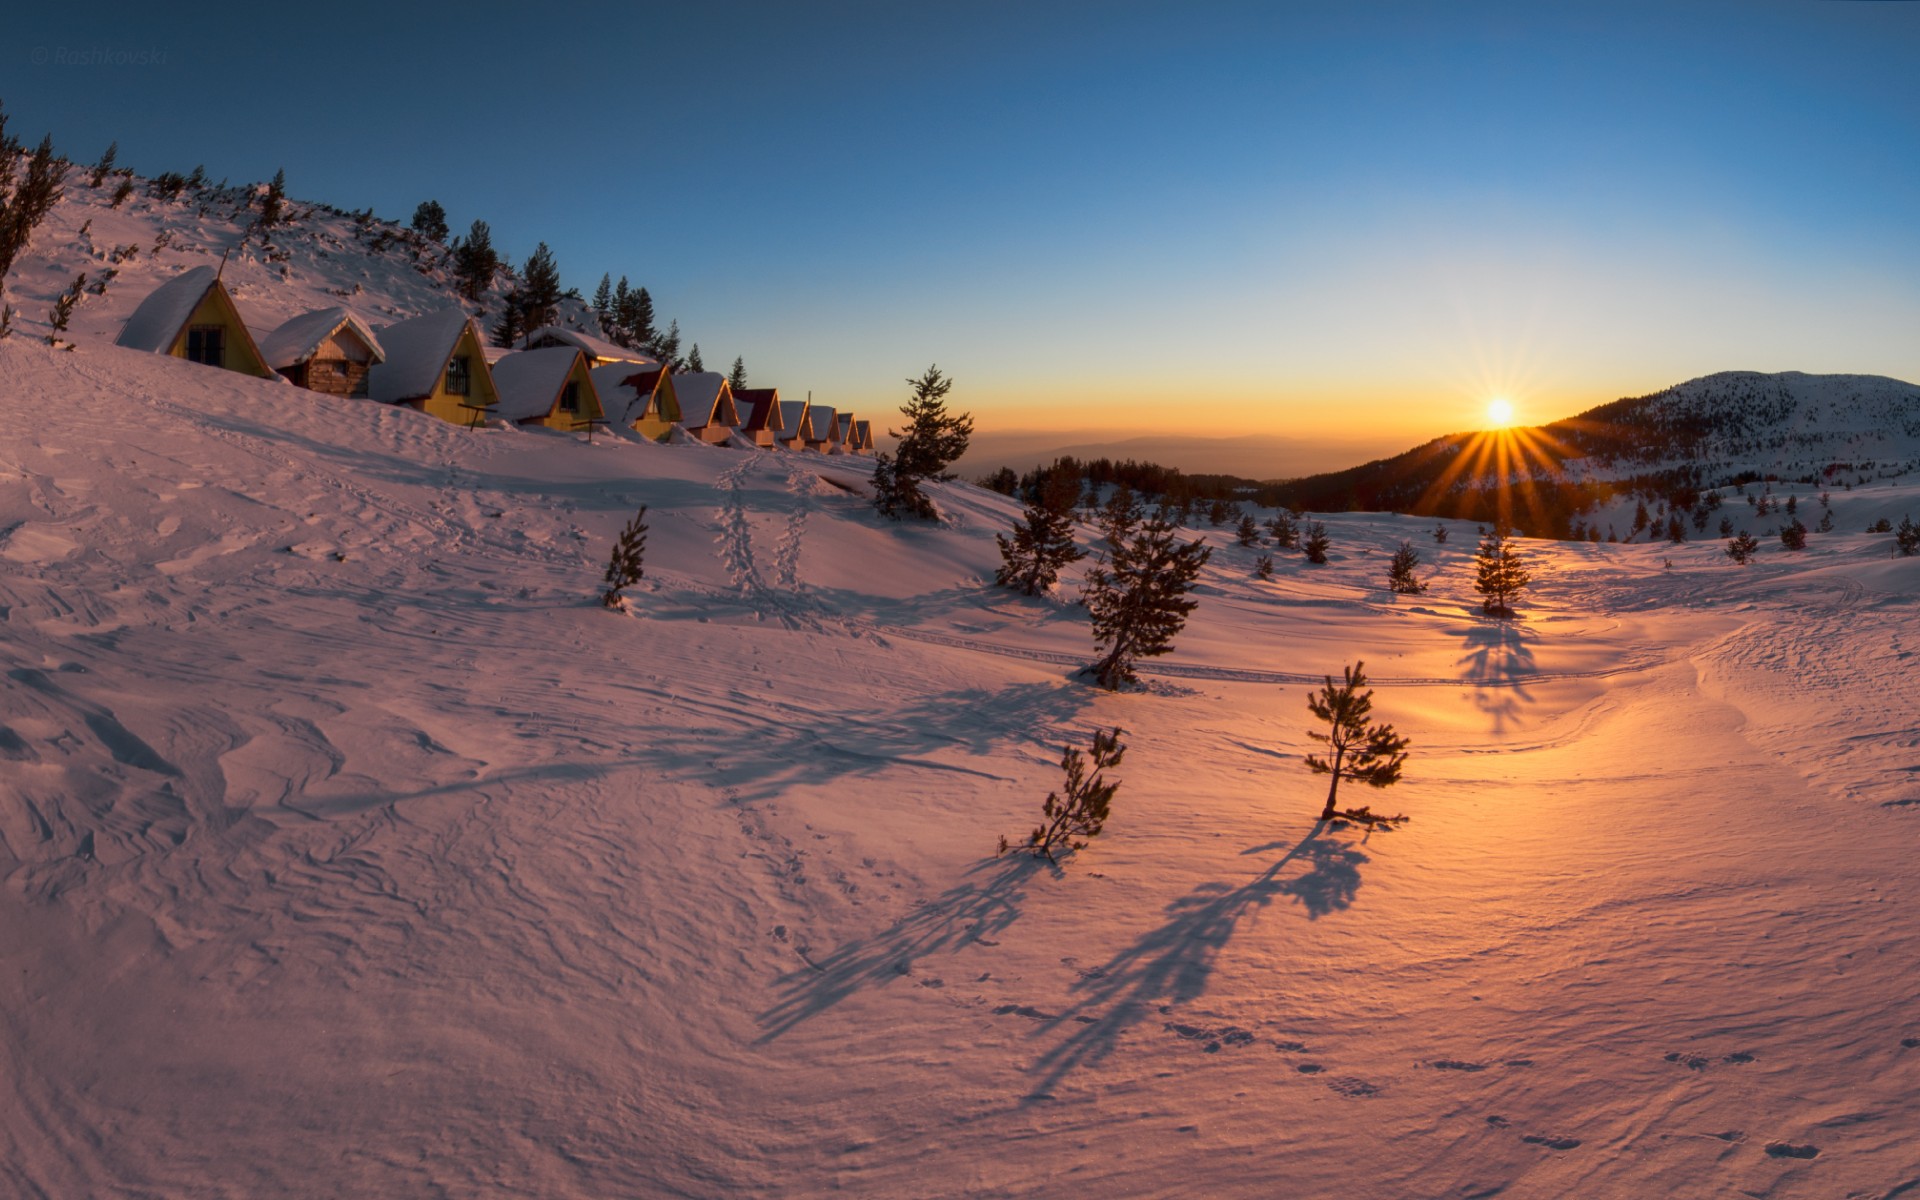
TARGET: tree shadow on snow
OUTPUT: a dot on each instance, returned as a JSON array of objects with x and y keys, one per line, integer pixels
[
  {"x": 968, "y": 912},
  {"x": 1498, "y": 658},
  {"x": 1174, "y": 963}
]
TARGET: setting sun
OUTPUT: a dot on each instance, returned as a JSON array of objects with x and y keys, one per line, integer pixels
[{"x": 1499, "y": 413}]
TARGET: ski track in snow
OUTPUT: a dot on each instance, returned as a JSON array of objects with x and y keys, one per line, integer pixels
[{"x": 351, "y": 848}]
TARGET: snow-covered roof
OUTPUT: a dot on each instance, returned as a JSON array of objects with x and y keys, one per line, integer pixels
[
  {"x": 586, "y": 343},
  {"x": 826, "y": 423},
  {"x": 417, "y": 351},
  {"x": 760, "y": 408},
  {"x": 863, "y": 434},
  {"x": 700, "y": 393},
  {"x": 296, "y": 339},
  {"x": 793, "y": 418},
  {"x": 623, "y": 401},
  {"x": 156, "y": 324},
  {"x": 529, "y": 381},
  {"x": 846, "y": 427}
]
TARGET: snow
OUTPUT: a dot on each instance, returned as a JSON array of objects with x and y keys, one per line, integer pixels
[
  {"x": 592, "y": 347},
  {"x": 793, "y": 418},
  {"x": 702, "y": 395},
  {"x": 417, "y": 351},
  {"x": 296, "y": 340},
  {"x": 351, "y": 847},
  {"x": 619, "y": 397},
  {"x": 529, "y": 381},
  {"x": 156, "y": 324}
]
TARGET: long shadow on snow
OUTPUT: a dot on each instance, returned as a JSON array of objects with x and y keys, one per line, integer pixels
[
  {"x": 977, "y": 721},
  {"x": 1174, "y": 963},
  {"x": 963, "y": 914},
  {"x": 1498, "y": 653}
]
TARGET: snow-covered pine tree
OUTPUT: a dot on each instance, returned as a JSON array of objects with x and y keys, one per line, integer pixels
[
  {"x": 1741, "y": 549},
  {"x": 933, "y": 439},
  {"x": 1248, "y": 534},
  {"x": 1400, "y": 576},
  {"x": 1068, "y": 821},
  {"x": 1358, "y": 747},
  {"x": 1314, "y": 544},
  {"x": 540, "y": 290},
  {"x": 1500, "y": 575},
  {"x": 430, "y": 221},
  {"x": 627, "y": 565},
  {"x": 1042, "y": 541},
  {"x": 1138, "y": 599}
]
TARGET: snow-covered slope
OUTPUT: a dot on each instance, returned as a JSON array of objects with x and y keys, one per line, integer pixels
[
  {"x": 350, "y": 847},
  {"x": 318, "y": 258}
]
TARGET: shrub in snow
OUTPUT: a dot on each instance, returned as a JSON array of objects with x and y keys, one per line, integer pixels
[
  {"x": 1826, "y": 521},
  {"x": 934, "y": 438},
  {"x": 1881, "y": 526},
  {"x": 1500, "y": 575},
  {"x": 1907, "y": 540},
  {"x": 1264, "y": 568},
  {"x": 1440, "y": 533},
  {"x": 1138, "y": 598},
  {"x": 1249, "y": 531},
  {"x": 1726, "y": 526},
  {"x": 1793, "y": 535},
  {"x": 1285, "y": 530},
  {"x": 1741, "y": 549},
  {"x": 62, "y": 309},
  {"x": 1357, "y": 747},
  {"x": 25, "y": 204},
  {"x": 625, "y": 567},
  {"x": 1316, "y": 542},
  {"x": 105, "y": 164},
  {"x": 1400, "y": 577},
  {"x": 1068, "y": 820},
  {"x": 1042, "y": 541}
]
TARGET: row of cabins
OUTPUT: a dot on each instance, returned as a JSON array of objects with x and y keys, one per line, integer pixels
[{"x": 439, "y": 364}]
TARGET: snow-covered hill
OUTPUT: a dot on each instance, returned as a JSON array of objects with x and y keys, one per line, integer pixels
[
  {"x": 350, "y": 847},
  {"x": 318, "y": 258}
]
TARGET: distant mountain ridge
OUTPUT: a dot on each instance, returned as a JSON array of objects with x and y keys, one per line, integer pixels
[{"x": 1715, "y": 431}]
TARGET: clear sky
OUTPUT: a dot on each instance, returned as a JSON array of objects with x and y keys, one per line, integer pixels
[{"x": 1292, "y": 219}]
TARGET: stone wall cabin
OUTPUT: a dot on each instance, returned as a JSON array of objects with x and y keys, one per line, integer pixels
[{"x": 329, "y": 350}]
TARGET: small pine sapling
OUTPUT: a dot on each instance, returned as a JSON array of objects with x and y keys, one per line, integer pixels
[
  {"x": 1826, "y": 521},
  {"x": 1440, "y": 533},
  {"x": 1358, "y": 747},
  {"x": 6, "y": 321},
  {"x": 1285, "y": 530},
  {"x": 1881, "y": 526},
  {"x": 1315, "y": 544},
  {"x": 1793, "y": 535},
  {"x": 1218, "y": 513},
  {"x": 62, "y": 309},
  {"x": 1400, "y": 576},
  {"x": 1138, "y": 600},
  {"x": 625, "y": 567},
  {"x": 1499, "y": 573},
  {"x": 1042, "y": 541},
  {"x": 1741, "y": 549},
  {"x": 1726, "y": 527},
  {"x": 1069, "y": 821},
  {"x": 1264, "y": 568},
  {"x": 1249, "y": 531}
]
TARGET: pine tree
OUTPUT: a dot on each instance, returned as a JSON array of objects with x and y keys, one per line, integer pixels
[
  {"x": 1907, "y": 538},
  {"x": 1217, "y": 513},
  {"x": 105, "y": 164},
  {"x": 1676, "y": 529},
  {"x": 1358, "y": 748},
  {"x": 933, "y": 439},
  {"x": 25, "y": 205},
  {"x": 512, "y": 324},
  {"x": 1316, "y": 543},
  {"x": 1042, "y": 541},
  {"x": 1248, "y": 533},
  {"x": 693, "y": 359},
  {"x": 1793, "y": 535},
  {"x": 603, "y": 301},
  {"x": 1640, "y": 517},
  {"x": 616, "y": 325},
  {"x": 6, "y": 321},
  {"x": 1264, "y": 568},
  {"x": 1741, "y": 549},
  {"x": 1726, "y": 526},
  {"x": 1500, "y": 575},
  {"x": 540, "y": 290},
  {"x": 1069, "y": 821},
  {"x": 1138, "y": 599},
  {"x": 430, "y": 221},
  {"x": 1285, "y": 530},
  {"x": 1826, "y": 521},
  {"x": 627, "y": 565},
  {"x": 1440, "y": 533},
  {"x": 121, "y": 193},
  {"x": 274, "y": 203},
  {"x": 737, "y": 378},
  {"x": 640, "y": 325},
  {"x": 63, "y": 309},
  {"x": 1120, "y": 516},
  {"x": 1400, "y": 576},
  {"x": 475, "y": 261}
]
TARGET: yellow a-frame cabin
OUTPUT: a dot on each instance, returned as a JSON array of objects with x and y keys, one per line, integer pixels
[
  {"x": 436, "y": 364},
  {"x": 191, "y": 316}
]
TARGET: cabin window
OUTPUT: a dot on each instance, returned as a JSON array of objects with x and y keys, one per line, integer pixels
[
  {"x": 458, "y": 381},
  {"x": 207, "y": 344},
  {"x": 570, "y": 397}
]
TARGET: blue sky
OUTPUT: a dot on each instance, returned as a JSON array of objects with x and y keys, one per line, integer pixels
[{"x": 1286, "y": 219}]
